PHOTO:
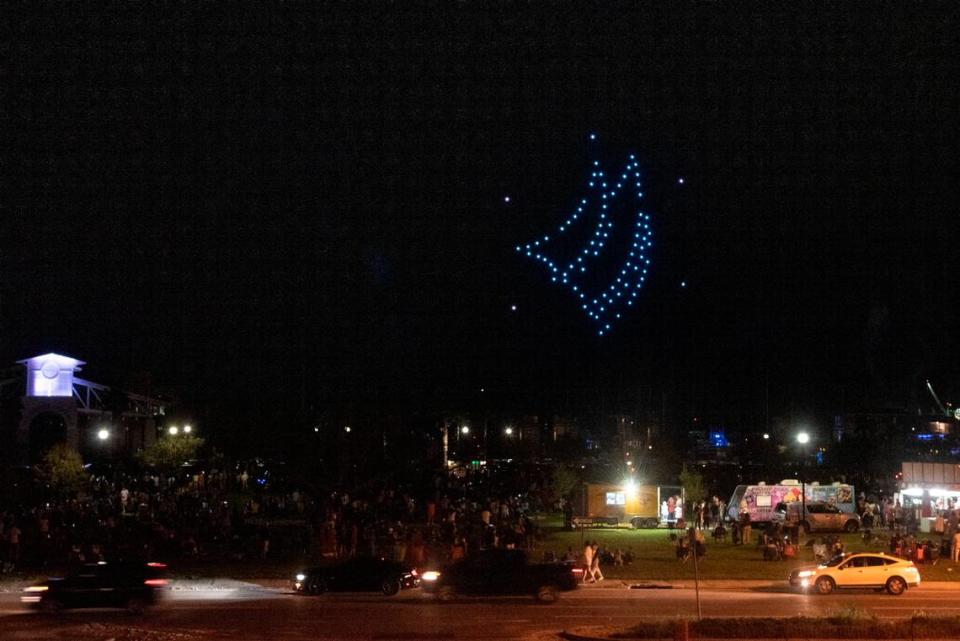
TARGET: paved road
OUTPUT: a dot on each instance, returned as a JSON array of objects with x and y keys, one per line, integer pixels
[{"x": 264, "y": 614}]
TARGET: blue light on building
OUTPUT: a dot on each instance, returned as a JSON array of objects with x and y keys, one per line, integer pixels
[{"x": 719, "y": 439}]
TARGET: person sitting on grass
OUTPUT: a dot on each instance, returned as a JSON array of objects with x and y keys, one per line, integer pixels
[{"x": 719, "y": 532}]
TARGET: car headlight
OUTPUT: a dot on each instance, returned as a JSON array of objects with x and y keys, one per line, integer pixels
[
  {"x": 805, "y": 574},
  {"x": 36, "y": 588},
  {"x": 301, "y": 577},
  {"x": 430, "y": 575}
]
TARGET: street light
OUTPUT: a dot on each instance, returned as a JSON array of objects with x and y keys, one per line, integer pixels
[
  {"x": 508, "y": 431},
  {"x": 347, "y": 429},
  {"x": 766, "y": 436},
  {"x": 187, "y": 429},
  {"x": 803, "y": 438},
  {"x": 465, "y": 430},
  {"x": 172, "y": 430},
  {"x": 103, "y": 434}
]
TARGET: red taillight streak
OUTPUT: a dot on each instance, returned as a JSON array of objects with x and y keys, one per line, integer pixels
[
  {"x": 155, "y": 582},
  {"x": 154, "y": 564}
]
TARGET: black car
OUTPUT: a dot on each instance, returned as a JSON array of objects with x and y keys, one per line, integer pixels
[
  {"x": 133, "y": 586},
  {"x": 502, "y": 573},
  {"x": 360, "y": 574}
]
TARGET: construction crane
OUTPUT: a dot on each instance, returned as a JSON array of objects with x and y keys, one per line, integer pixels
[{"x": 943, "y": 410}]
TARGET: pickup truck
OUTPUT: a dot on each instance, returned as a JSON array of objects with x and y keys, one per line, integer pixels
[{"x": 502, "y": 573}]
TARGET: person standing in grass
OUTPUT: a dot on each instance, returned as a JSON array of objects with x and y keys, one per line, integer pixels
[
  {"x": 745, "y": 528},
  {"x": 586, "y": 562},
  {"x": 595, "y": 572}
]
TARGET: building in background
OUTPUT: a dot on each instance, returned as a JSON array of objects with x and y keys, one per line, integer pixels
[{"x": 44, "y": 402}]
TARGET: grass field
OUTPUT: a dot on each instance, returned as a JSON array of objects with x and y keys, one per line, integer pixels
[{"x": 655, "y": 556}]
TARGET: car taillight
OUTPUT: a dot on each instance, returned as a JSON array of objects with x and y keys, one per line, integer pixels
[
  {"x": 155, "y": 582},
  {"x": 577, "y": 570},
  {"x": 155, "y": 564}
]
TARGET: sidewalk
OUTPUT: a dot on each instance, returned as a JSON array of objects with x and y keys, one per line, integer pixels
[{"x": 725, "y": 584}]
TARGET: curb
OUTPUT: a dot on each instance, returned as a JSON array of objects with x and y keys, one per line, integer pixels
[
  {"x": 584, "y": 633},
  {"x": 727, "y": 584}
]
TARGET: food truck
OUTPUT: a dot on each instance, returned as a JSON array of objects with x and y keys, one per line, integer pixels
[
  {"x": 928, "y": 489},
  {"x": 642, "y": 506},
  {"x": 760, "y": 500}
]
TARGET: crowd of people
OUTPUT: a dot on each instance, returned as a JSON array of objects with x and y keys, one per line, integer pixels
[
  {"x": 245, "y": 514},
  {"x": 242, "y": 512}
]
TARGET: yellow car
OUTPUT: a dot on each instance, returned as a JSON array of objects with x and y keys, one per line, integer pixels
[{"x": 867, "y": 570}]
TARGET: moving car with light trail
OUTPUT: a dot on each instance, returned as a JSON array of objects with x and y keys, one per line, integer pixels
[
  {"x": 502, "y": 573},
  {"x": 133, "y": 586},
  {"x": 875, "y": 571},
  {"x": 360, "y": 574}
]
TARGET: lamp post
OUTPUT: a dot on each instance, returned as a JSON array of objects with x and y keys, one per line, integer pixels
[{"x": 802, "y": 438}]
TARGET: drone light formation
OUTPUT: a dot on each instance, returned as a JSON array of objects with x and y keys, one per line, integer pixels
[{"x": 606, "y": 306}]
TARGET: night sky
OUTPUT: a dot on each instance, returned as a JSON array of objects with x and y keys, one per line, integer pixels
[{"x": 274, "y": 207}]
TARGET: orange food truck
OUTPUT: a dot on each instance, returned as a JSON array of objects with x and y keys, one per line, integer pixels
[{"x": 642, "y": 506}]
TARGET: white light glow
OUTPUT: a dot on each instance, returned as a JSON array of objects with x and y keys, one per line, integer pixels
[
  {"x": 103, "y": 434},
  {"x": 173, "y": 430},
  {"x": 508, "y": 431},
  {"x": 803, "y": 438},
  {"x": 187, "y": 429},
  {"x": 50, "y": 375},
  {"x": 464, "y": 430}
]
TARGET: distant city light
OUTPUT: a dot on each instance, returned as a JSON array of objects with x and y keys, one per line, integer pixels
[
  {"x": 508, "y": 431},
  {"x": 513, "y": 308},
  {"x": 506, "y": 199},
  {"x": 347, "y": 429},
  {"x": 316, "y": 429},
  {"x": 172, "y": 430},
  {"x": 464, "y": 430},
  {"x": 103, "y": 434},
  {"x": 683, "y": 283},
  {"x": 680, "y": 180},
  {"x": 803, "y": 438},
  {"x": 766, "y": 436}
]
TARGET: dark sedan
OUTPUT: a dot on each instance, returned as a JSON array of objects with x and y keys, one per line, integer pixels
[
  {"x": 361, "y": 574},
  {"x": 133, "y": 586}
]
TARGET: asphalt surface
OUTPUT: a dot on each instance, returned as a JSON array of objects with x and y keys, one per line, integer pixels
[{"x": 256, "y": 613}]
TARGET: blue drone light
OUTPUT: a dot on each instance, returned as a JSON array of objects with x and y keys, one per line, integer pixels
[{"x": 603, "y": 307}]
